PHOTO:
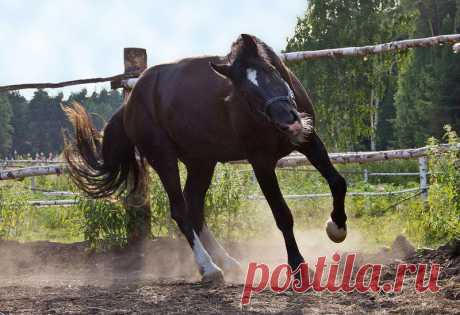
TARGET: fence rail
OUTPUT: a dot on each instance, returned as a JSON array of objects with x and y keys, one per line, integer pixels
[
  {"x": 292, "y": 160},
  {"x": 374, "y": 49},
  {"x": 70, "y": 202},
  {"x": 15, "y": 162},
  {"x": 352, "y": 193},
  {"x": 64, "y": 202}
]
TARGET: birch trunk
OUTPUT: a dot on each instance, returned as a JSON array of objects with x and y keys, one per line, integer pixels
[
  {"x": 32, "y": 171},
  {"x": 373, "y": 49}
]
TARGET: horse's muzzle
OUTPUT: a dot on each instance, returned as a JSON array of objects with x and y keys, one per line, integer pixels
[{"x": 293, "y": 129}]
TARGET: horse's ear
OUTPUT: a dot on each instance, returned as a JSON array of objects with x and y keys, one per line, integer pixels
[
  {"x": 221, "y": 69},
  {"x": 249, "y": 49}
]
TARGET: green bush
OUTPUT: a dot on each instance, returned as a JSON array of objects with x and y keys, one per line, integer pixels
[
  {"x": 224, "y": 214},
  {"x": 105, "y": 220},
  {"x": 13, "y": 209},
  {"x": 440, "y": 219}
]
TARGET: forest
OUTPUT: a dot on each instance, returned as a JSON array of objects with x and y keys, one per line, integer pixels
[{"x": 36, "y": 126}]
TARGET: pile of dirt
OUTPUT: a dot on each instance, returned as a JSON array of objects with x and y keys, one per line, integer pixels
[{"x": 54, "y": 278}]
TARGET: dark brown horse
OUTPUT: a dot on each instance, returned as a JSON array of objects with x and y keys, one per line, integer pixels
[{"x": 246, "y": 105}]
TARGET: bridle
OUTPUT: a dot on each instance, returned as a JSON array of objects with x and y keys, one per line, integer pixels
[{"x": 290, "y": 98}]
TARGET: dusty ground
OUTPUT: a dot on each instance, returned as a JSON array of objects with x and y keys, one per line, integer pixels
[{"x": 52, "y": 278}]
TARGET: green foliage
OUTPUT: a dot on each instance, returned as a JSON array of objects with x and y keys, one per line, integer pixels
[
  {"x": 19, "y": 121},
  {"x": 46, "y": 119},
  {"x": 223, "y": 210},
  {"x": 162, "y": 223},
  {"x": 347, "y": 92},
  {"x": 13, "y": 208},
  {"x": 5, "y": 125},
  {"x": 427, "y": 91},
  {"x": 104, "y": 222},
  {"x": 386, "y": 101},
  {"x": 19, "y": 220},
  {"x": 440, "y": 219}
]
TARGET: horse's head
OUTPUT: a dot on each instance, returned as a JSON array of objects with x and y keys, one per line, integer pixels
[{"x": 261, "y": 84}]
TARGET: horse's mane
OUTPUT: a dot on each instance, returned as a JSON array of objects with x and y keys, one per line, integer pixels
[{"x": 267, "y": 53}]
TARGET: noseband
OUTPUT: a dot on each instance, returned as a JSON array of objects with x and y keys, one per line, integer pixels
[{"x": 290, "y": 98}]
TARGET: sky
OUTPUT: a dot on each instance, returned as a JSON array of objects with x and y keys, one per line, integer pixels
[{"x": 59, "y": 40}]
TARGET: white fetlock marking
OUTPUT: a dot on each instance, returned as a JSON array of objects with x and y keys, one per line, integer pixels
[
  {"x": 202, "y": 258},
  {"x": 334, "y": 232}
]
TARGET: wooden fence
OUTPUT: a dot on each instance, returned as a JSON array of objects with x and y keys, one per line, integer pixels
[{"x": 293, "y": 160}]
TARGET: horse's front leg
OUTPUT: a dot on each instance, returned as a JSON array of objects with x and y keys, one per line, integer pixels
[
  {"x": 316, "y": 153},
  {"x": 265, "y": 174}
]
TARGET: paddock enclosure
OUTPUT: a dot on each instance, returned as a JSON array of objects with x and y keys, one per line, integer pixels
[{"x": 148, "y": 268}]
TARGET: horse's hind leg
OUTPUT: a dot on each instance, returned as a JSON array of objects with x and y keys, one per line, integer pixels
[
  {"x": 199, "y": 175},
  {"x": 164, "y": 162}
]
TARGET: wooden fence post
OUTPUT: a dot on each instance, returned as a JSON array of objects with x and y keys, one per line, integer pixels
[
  {"x": 137, "y": 202},
  {"x": 423, "y": 169}
]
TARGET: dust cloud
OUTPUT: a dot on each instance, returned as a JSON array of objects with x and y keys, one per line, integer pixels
[{"x": 54, "y": 264}]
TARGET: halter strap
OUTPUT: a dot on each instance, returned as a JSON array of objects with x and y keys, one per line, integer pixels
[
  {"x": 277, "y": 99},
  {"x": 285, "y": 98}
]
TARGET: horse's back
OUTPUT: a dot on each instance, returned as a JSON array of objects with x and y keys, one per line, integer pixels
[{"x": 187, "y": 100}]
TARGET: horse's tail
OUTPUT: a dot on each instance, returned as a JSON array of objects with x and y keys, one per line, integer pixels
[{"x": 100, "y": 163}]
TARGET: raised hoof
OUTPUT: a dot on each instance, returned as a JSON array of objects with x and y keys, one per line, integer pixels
[
  {"x": 213, "y": 278},
  {"x": 335, "y": 233}
]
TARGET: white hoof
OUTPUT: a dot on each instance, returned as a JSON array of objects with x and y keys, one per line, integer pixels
[{"x": 335, "y": 233}]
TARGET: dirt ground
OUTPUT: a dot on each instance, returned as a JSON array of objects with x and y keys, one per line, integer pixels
[{"x": 53, "y": 278}]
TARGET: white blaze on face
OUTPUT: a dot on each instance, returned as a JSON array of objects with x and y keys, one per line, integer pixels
[
  {"x": 252, "y": 76},
  {"x": 202, "y": 257}
]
